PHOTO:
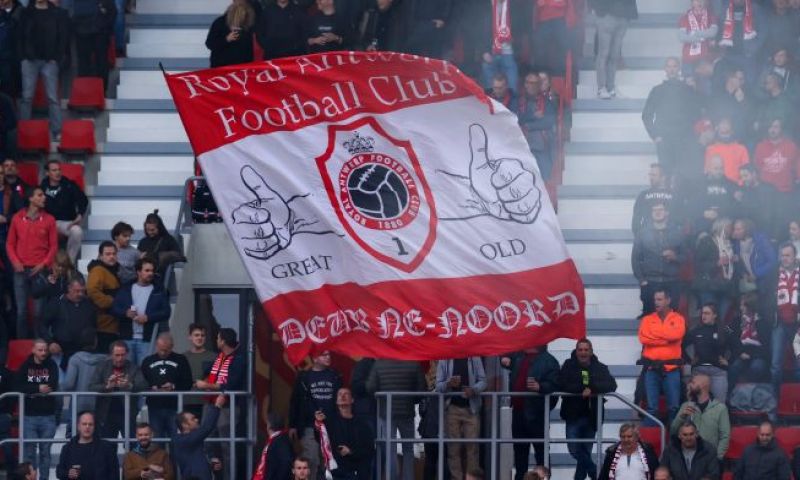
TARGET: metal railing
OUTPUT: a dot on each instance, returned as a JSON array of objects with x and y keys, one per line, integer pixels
[
  {"x": 126, "y": 440},
  {"x": 385, "y": 439}
]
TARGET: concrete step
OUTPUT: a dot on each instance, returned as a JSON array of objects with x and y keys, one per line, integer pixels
[
  {"x": 160, "y": 20},
  {"x": 603, "y": 120},
  {"x": 625, "y": 78},
  {"x": 661, "y": 6},
  {"x": 151, "y": 178},
  {"x": 612, "y": 303},
  {"x": 168, "y": 35},
  {"x": 609, "y": 134},
  {"x": 143, "y": 120},
  {"x": 143, "y": 163},
  {"x": 111, "y": 206},
  {"x": 148, "y": 134},
  {"x": 625, "y": 174},
  {"x": 595, "y": 213},
  {"x": 602, "y": 257},
  {"x": 627, "y": 91},
  {"x": 651, "y": 40},
  {"x": 160, "y": 50},
  {"x": 150, "y": 7}
]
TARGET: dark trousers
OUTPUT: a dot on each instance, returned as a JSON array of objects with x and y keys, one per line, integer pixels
[
  {"x": 522, "y": 427},
  {"x": 550, "y": 46},
  {"x": 646, "y": 293},
  {"x": 114, "y": 422},
  {"x": 92, "y": 53},
  {"x": 674, "y": 158},
  {"x": 432, "y": 463}
]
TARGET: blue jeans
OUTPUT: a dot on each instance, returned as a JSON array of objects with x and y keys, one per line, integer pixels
[
  {"x": 39, "y": 427},
  {"x": 22, "y": 290},
  {"x": 782, "y": 336},
  {"x": 582, "y": 452},
  {"x": 500, "y": 63},
  {"x": 137, "y": 350},
  {"x": 655, "y": 383},
  {"x": 405, "y": 426},
  {"x": 162, "y": 420},
  {"x": 119, "y": 26},
  {"x": 743, "y": 371},
  {"x": 551, "y": 42},
  {"x": 31, "y": 69}
]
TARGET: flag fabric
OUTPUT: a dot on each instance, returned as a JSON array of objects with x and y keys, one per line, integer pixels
[{"x": 383, "y": 206}]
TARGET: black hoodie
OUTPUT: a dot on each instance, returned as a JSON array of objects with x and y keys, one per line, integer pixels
[
  {"x": 64, "y": 201},
  {"x": 28, "y": 379},
  {"x": 572, "y": 379}
]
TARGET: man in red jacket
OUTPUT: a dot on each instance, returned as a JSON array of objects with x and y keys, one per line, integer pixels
[
  {"x": 32, "y": 244},
  {"x": 777, "y": 159}
]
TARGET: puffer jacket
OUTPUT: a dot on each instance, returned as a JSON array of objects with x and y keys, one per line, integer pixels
[
  {"x": 763, "y": 462},
  {"x": 101, "y": 287}
]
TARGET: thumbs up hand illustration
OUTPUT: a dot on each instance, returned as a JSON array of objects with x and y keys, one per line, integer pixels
[
  {"x": 501, "y": 188},
  {"x": 268, "y": 222}
]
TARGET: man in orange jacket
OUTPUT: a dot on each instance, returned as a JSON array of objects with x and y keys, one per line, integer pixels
[{"x": 661, "y": 334}]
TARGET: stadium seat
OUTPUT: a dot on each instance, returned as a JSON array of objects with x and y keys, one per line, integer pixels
[
  {"x": 727, "y": 476},
  {"x": 652, "y": 435},
  {"x": 74, "y": 171},
  {"x": 741, "y": 437},
  {"x": 789, "y": 401},
  {"x": 28, "y": 172},
  {"x": 33, "y": 136},
  {"x": 788, "y": 439},
  {"x": 18, "y": 351},
  {"x": 77, "y": 138},
  {"x": 87, "y": 95}
]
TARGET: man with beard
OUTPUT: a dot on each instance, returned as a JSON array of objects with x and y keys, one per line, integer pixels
[{"x": 145, "y": 459}]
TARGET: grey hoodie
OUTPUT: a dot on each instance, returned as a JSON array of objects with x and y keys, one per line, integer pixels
[{"x": 80, "y": 371}]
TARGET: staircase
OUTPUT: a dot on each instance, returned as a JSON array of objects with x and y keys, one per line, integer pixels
[{"x": 606, "y": 166}]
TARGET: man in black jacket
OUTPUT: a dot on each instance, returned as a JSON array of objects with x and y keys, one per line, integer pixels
[
  {"x": 65, "y": 319},
  {"x": 165, "y": 371},
  {"x": 116, "y": 374},
  {"x": 763, "y": 459},
  {"x": 280, "y": 32},
  {"x": 36, "y": 377},
  {"x": 65, "y": 201},
  {"x": 669, "y": 115},
  {"x": 585, "y": 375},
  {"x": 86, "y": 456},
  {"x": 428, "y": 26},
  {"x": 92, "y": 23},
  {"x": 759, "y": 201},
  {"x": 659, "y": 192},
  {"x": 351, "y": 440},
  {"x": 277, "y": 456},
  {"x": 713, "y": 197},
  {"x": 43, "y": 46},
  {"x": 689, "y": 457}
]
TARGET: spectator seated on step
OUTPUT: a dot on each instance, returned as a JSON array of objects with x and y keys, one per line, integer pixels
[
  {"x": 748, "y": 339},
  {"x": 67, "y": 203},
  {"x": 502, "y": 93},
  {"x": 688, "y": 456},
  {"x": 630, "y": 457},
  {"x": 764, "y": 458},
  {"x": 12, "y": 179}
]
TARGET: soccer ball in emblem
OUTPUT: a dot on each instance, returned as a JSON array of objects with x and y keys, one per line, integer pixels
[{"x": 377, "y": 191}]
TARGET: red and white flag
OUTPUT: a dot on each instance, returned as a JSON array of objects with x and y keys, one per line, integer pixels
[{"x": 383, "y": 206}]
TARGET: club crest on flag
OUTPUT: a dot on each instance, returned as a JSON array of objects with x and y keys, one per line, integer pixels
[{"x": 379, "y": 192}]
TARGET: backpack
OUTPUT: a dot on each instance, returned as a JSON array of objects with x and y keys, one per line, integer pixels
[{"x": 753, "y": 397}]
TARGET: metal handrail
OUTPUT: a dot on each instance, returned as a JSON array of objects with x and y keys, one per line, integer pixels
[
  {"x": 126, "y": 440},
  {"x": 494, "y": 440}
]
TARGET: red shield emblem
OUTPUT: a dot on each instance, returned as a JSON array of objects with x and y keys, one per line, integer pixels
[{"x": 378, "y": 190}]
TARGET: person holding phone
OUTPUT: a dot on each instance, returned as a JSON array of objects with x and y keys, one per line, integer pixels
[
  {"x": 230, "y": 37},
  {"x": 351, "y": 438}
]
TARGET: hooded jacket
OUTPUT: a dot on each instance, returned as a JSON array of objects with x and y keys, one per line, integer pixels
[
  {"x": 574, "y": 378},
  {"x": 138, "y": 458},
  {"x": 29, "y": 378},
  {"x": 713, "y": 424},
  {"x": 104, "y": 464},
  {"x": 763, "y": 462},
  {"x": 64, "y": 201},
  {"x": 704, "y": 463},
  {"x": 80, "y": 372},
  {"x": 101, "y": 287}
]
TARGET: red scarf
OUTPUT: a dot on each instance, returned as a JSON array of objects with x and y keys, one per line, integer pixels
[
  {"x": 325, "y": 448},
  {"x": 788, "y": 282},
  {"x": 612, "y": 472},
  {"x": 697, "y": 22},
  {"x": 749, "y": 335},
  {"x": 727, "y": 31},
  {"x": 501, "y": 25},
  {"x": 219, "y": 371},
  {"x": 262, "y": 465}
]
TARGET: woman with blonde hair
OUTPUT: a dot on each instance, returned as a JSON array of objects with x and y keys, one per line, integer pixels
[
  {"x": 714, "y": 264},
  {"x": 54, "y": 283},
  {"x": 230, "y": 37}
]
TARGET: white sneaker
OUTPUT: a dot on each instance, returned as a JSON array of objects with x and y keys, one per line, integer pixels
[
  {"x": 613, "y": 93},
  {"x": 603, "y": 94}
]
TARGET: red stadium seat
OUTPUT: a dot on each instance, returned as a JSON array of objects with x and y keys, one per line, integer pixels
[
  {"x": 788, "y": 439},
  {"x": 727, "y": 476},
  {"x": 87, "y": 95},
  {"x": 652, "y": 435},
  {"x": 741, "y": 437},
  {"x": 74, "y": 171},
  {"x": 33, "y": 136},
  {"x": 77, "y": 137},
  {"x": 18, "y": 351},
  {"x": 789, "y": 401},
  {"x": 28, "y": 172}
]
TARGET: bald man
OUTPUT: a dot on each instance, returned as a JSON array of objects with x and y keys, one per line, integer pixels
[
  {"x": 165, "y": 371},
  {"x": 708, "y": 414}
]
